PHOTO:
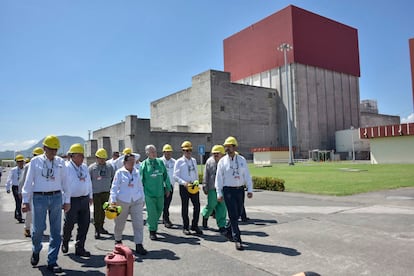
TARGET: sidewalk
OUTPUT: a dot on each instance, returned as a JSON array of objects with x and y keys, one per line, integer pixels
[{"x": 367, "y": 234}]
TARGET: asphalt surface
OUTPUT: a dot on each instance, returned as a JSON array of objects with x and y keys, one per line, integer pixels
[{"x": 288, "y": 233}]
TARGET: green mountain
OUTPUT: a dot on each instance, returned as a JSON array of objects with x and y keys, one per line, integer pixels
[{"x": 65, "y": 143}]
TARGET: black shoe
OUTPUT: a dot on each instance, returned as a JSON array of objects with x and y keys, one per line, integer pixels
[
  {"x": 65, "y": 247},
  {"x": 153, "y": 235},
  {"x": 20, "y": 220},
  {"x": 197, "y": 230},
  {"x": 103, "y": 231},
  {"x": 34, "y": 260},
  {"x": 139, "y": 249},
  {"x": 246, "y": 219},
  {"x": 223, "y": 230},
  {"x": 54, "y": 268},
  {"x": 97, "y": 235},
  {"x": 228, "y": 235},
  {"x": 82, "y": 253},
  {"x": 118, "y": 242},
  {"x": 205, "y": 223},
  {"x": 167, "y": 223},
  {"x": 186, "y": 231},
  {"x": 239, "y": 246}
]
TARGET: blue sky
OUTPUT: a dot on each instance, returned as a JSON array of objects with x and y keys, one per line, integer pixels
[{"x": 69, "y": 66}]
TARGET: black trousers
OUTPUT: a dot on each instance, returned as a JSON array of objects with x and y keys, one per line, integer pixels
[
  {"x": 195, "y": 200},
  {"x": 18, "y": 201},
  {"x": 166, "y": 210},
  {"x": 79, "y": 213},
  {"x": 233, "y": 197}
]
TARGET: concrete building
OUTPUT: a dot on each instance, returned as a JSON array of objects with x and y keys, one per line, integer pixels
[
  {"x": 205, "y": 113},
  {"x": 369, "y": 115}
]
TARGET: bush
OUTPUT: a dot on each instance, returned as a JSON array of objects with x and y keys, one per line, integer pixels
[
  {"x": 268, "y": 183},
  {"x": 263, "y": 183}
]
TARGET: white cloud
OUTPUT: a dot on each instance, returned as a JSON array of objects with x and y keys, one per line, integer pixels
[
  {"x": 16, "y": 145},
  {"x": 409, "y": 119}
]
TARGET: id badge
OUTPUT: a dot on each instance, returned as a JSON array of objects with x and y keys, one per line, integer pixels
[
  {"x": 131, "y": 184},
  {"x": 99, "y": 178}
]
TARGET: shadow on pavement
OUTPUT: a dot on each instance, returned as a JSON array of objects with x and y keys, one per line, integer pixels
[
  {"x": 165, "y": 237},
  {"x": 69, "y": 272},
  {"x": 162, "y": 254},
  {"x": 93, "y": 261},
  {"x": 271, "y": 249}
]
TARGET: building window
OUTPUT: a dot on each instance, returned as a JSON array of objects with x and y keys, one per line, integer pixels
[{"x": 222, "y": 108}]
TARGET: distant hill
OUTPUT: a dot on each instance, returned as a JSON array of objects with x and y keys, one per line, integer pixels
[{"x": 65, "y": 143}]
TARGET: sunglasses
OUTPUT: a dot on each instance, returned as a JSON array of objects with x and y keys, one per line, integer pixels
[{"x": 187, "y": 150}]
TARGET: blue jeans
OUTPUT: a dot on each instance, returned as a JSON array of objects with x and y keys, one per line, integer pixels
[{"x": 42, "y": 205}]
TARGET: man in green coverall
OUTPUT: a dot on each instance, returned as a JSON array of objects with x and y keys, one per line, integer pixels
[{"x": 156, "y": 183}]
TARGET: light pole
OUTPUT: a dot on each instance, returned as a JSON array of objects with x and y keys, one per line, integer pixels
[
  {"x": 353, "y": 146},
  {"x": 284, "y": 47}
]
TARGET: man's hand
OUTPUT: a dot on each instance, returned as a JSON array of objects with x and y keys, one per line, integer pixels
[
  {"x": 26, "y": 207},
  {"x": 8, "y": 191},
  {"x": 249, "y": 195},
  {"x": 66, "y": 207},
  {"x": 167, "y": 193},
  {"x": 220, "y": 199}
]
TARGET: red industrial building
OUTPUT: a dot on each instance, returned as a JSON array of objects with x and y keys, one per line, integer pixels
[{"x": 323, "y": 69}]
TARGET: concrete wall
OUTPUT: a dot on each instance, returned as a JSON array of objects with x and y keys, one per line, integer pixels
[
  {"x": 188, "y": 110},
  {"x": 371, "y": 119},
  {"x": 323, "y": 102},
  {"x": 135, "y": 133},
  {"x": 247, "y": 112},
  {"x": 392, "y": 150}
]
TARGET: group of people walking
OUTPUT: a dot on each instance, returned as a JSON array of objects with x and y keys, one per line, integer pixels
[{"x": 48, "y": 184}]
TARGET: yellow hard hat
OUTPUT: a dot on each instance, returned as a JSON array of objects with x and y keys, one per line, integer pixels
[
  {"x": 76, "y": 148},
  {"x": 218, "y": 149},
  {"x": 127, "y": 151},
  {"x": 27, "y": 160},
  {"x": 19, "y": 158},
  {"x": 37, "y": 151},
  {"x": 51, "y": 142},
  {"x": 167, "y": 147},
  {"x": 111, "y": 211},
  {"x": 186, "y": 145},
  {"x": 193, "y": 188},
  {"x": 230, "y": 141},
  {"x": 101, "y": 153}
]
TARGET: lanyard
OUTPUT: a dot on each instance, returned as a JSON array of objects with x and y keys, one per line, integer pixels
[
  {"x": 235, "y": 169},
  {"x": 46, "y": 171},
  {"x": 78, "y": 170},
  {"x": 190, "y": 167}
]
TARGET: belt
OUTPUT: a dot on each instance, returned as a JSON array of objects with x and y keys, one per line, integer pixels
[
  {"x": 79, "y": 197},
  {"x": 47, "y": 193},
  {"x": 233, "y": 187}
]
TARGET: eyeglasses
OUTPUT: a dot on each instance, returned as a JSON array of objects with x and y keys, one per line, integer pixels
[{"x": 187, "y": 150}]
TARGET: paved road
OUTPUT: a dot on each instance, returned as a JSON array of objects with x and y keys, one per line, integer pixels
[{"x": 367, "y": 234}]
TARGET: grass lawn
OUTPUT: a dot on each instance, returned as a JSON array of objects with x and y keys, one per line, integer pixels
[{"x": 339, "y": 178}]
